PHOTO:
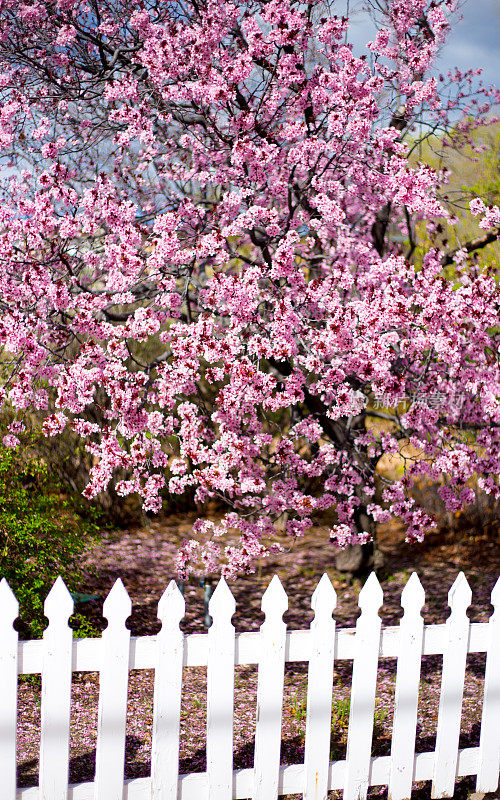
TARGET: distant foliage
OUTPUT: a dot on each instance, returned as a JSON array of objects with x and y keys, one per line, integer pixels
[
  {"x": 42, "y": 535},
  {"x": 472, "y": 170}
]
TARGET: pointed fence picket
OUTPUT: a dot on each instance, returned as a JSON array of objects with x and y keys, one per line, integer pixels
[
  {"x": 404, "y": 725},
  {"x": 270, "y": 693},
  {"x": 9, "y": 608},
  {"x": 167, "y": 696},
  {"x": 364, "y": 686},
  {"x": 489, "y": 744},
  {"x": 116, "y": 652},
  {"x": 220, "y": 694},
  {"x": 452, "y": 689},
  {"x": 56, "y": 694},
  {"x": 319, "y": 692},
  {"x": 113, "y": 687}
]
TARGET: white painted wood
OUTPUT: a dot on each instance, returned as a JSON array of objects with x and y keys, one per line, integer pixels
[
  {"x": 452, "y": 689},
  {"x": 363, "y": 690},
  {"x": 319, "y": 691},
  {"x": 489, "y": 745},
  {"x": 193, "y": 786},
  {"x": 270, "y": 693},
  {"x": 220, "y": 694},
  {"x": 9, "y": 610},
  {"x": 113, "y": 685},
  {"x": 56, "y": 694},
  {"x": 270, "y": 648},
  {"x": 167, "y": 696},
  {"x": 404, "y": 724},
  {"x": 87, "y": 652}
]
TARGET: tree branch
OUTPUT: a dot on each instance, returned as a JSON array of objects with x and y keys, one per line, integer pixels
[{"x": 470, "y": 247}]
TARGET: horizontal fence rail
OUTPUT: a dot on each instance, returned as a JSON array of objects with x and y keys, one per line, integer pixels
[{"x": 115, "y": 653}]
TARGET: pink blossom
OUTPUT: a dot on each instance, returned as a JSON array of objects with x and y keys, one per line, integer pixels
[
  {"x": 207, "y": 272},
  {"x": 10, "y": 441}
]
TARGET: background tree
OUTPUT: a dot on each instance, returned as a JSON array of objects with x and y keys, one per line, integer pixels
[
  {"x": 204, "y": 264},
  {"x": 472, "y": 162}
]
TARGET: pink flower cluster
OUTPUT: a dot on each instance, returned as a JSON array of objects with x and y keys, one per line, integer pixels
[{"x": 206, "y": 270}]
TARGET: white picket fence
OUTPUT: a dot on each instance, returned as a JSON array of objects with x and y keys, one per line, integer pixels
[{"x": 57, "y": 655}]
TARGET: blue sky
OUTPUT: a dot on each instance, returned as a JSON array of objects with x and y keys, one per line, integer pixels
[{"x": 473, "y": 41}]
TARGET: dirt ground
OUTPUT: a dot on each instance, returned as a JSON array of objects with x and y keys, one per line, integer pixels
[{"x": 143, "y": 557}]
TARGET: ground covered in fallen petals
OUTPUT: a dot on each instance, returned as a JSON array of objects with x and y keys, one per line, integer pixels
[{"x": 144, "y": 558}]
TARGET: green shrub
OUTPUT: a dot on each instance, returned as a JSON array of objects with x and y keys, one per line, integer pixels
[{"x": 42, "y": 535}]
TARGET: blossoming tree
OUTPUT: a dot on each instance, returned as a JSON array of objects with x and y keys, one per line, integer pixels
[{"x": 207, "y": 259}]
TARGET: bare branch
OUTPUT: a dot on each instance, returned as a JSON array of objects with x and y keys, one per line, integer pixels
[{"x": 470, "y": 247}]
